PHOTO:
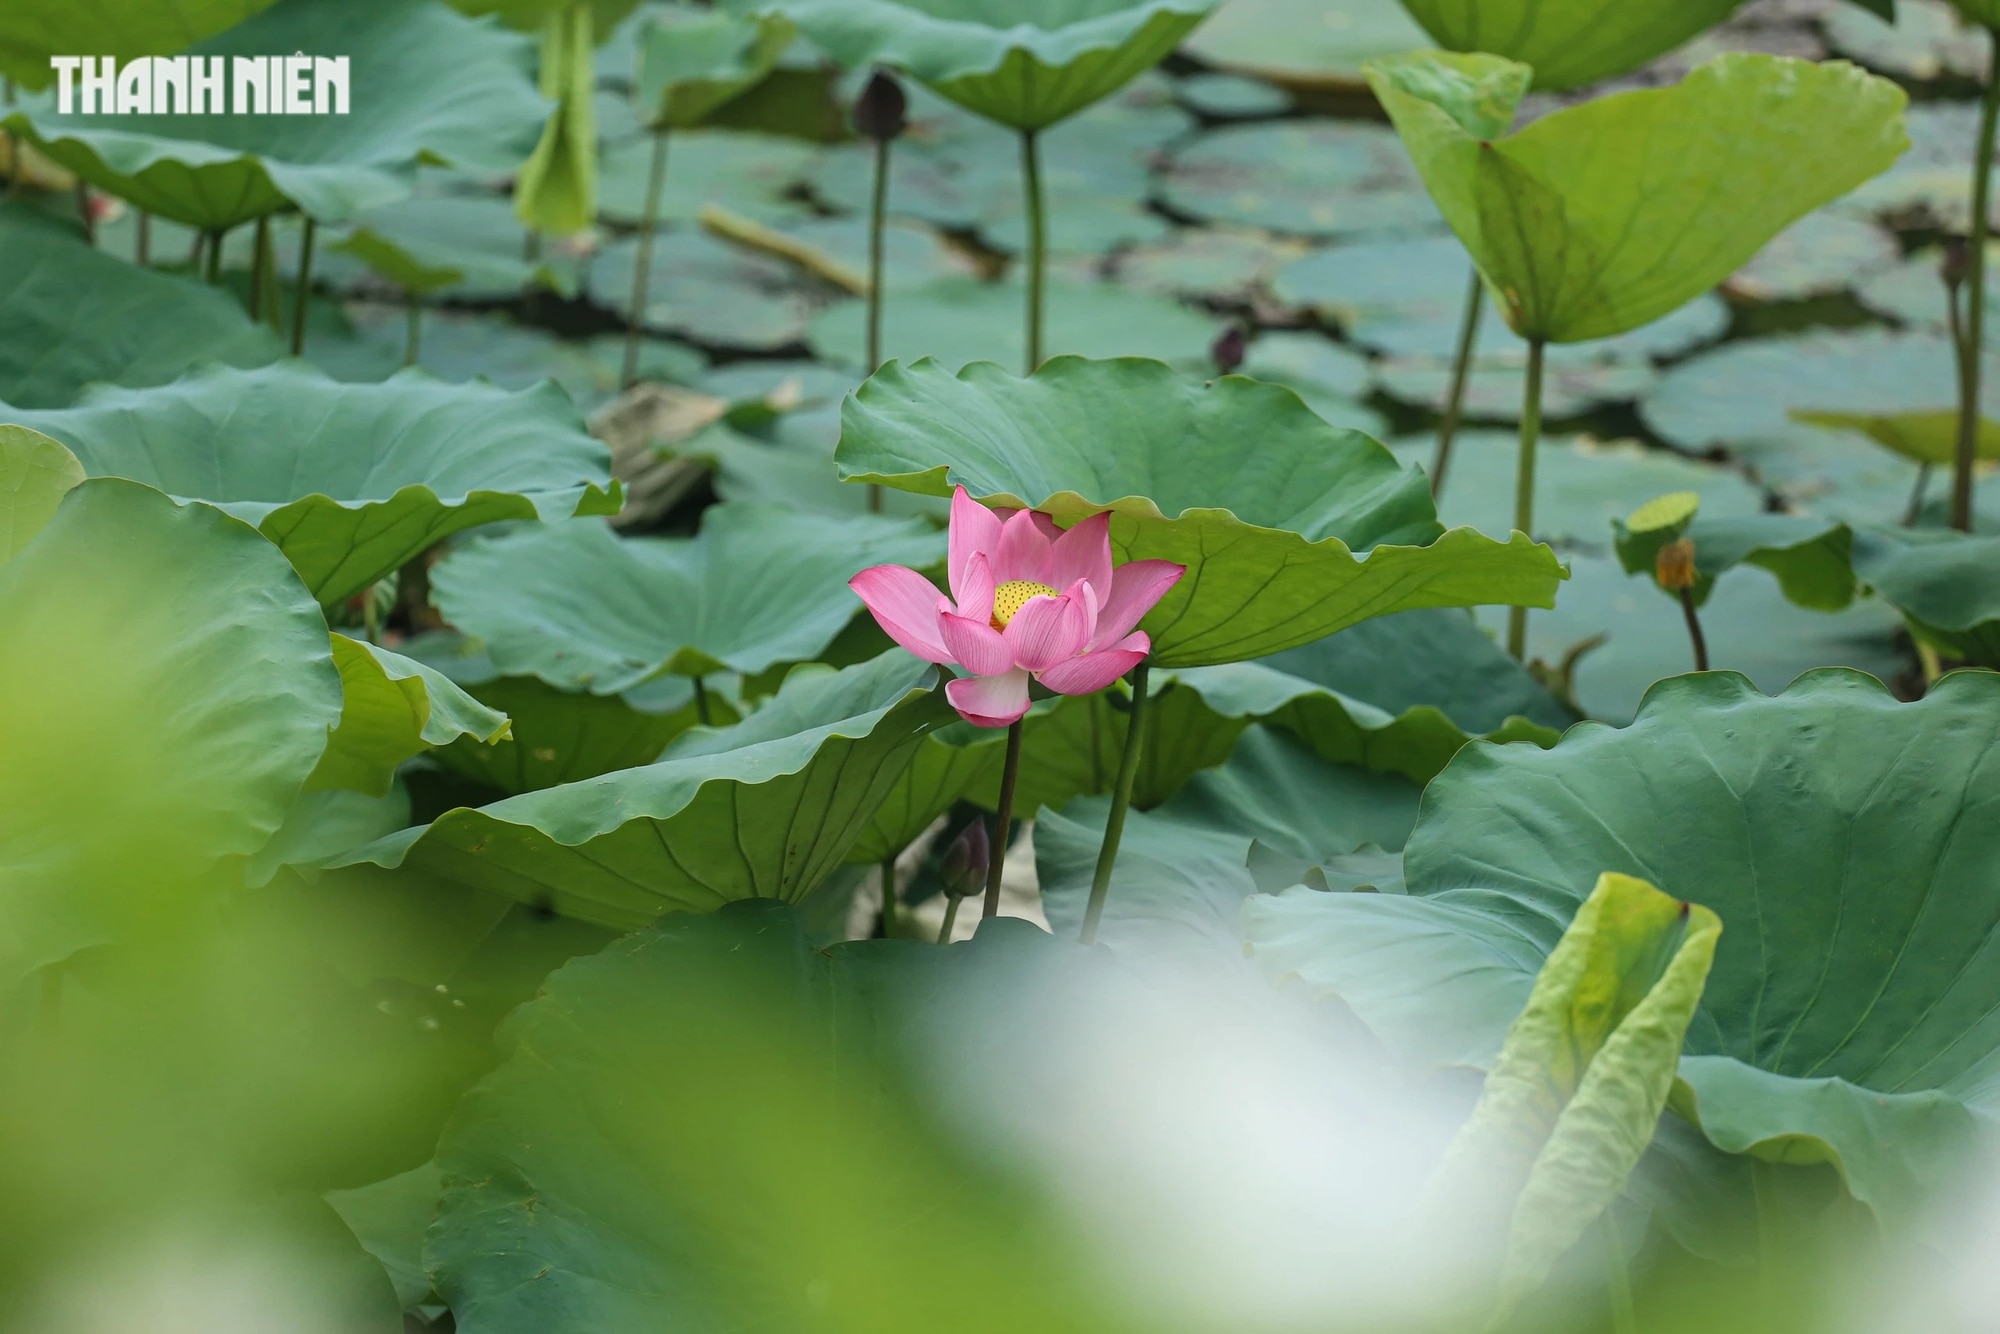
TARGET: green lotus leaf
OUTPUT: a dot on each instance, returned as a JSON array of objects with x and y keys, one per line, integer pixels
[
  {"x": 394, "y": 708},
  {"x": 1024, "y": 63},
  {"x": 168, "y": 687},
  {"x": 1184, "y": 870},
  {"x": 1569, "y": 43},
  {"x": 556, "y": 190},
  {"x": 692, "y": 831},
  {"x": 560, "y": 736},
  {"x": 1268, "y": 538},
  {"x": 350, "y": 480},
  {"x": 1318, "y": 178},
  {"x": 533, "y": 15},
  {"x": 76, "y": 316},
  {"x": 1812, "y": 558},
  {"x": 324, "y": 823},
  {"x": 1850, "y": 1014},
  {"x": 467, "y": 244},
  {"x": 35, "y": 474},
  {"x": 583, "y": 609},
  {"x": 1310, "y": 46},
  {"x": 691, "y": 61},
  {"x": 1946, "y": 584},
  {"x": 388, "y": 1218},
  {"x": 31, "y": 33},
  {"x": 1570, "y": 1104},
  {"x": 714, "y": 1106},
  {"x": 1927, "y": 437},
  {"x": 1577, "y": 221},
  {"x": 427, "y": 86}
]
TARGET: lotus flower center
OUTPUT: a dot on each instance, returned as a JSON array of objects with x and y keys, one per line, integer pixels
[{"x": 1013, "y": 595}]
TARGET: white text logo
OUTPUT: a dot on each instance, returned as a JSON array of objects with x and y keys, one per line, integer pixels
[{"x": 294, "y": 85}]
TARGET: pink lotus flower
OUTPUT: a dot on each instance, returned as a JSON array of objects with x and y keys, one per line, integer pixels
[{"x": 1027, "y": 600}]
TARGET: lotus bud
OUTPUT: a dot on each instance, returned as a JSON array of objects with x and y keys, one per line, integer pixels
[
  {"x": 1674, "y": 566},
  {"x": 881, "y": 112},
  {"x": 965, "y": 861},
  {"x": 1227, "y": 351},
  {"x": 1957, "y": 262}
]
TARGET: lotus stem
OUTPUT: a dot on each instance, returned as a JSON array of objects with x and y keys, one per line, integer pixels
[
  {"x": 260, "y": 252},
  {"x": 1038, "y": 242},
  {"x": 1695, "y": 635},
  {"x": 1916, "y": 505},
  {"x": 1121, "y": 801},
  {"x": 1461, "y": 368},
  {"x": 642, "y": 269},
  {"x": 877, "y": 216},
  {"x": 950, "y": 918},
  {"x": 1975, "y": 301},
  {"x": 1524, "y": 485},
  {"x": 1003, "y": 820},
  {"x": 142, "y": 241},
  {"x": 889, "y": 897},
  {"x": 413, "y": 340},
  {"x": 701, "y": 710},
  {"x": 304, "y": 286},
  {"x": 214, "y": 255}
]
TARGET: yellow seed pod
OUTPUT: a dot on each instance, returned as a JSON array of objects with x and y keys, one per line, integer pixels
[{"x": 1674, "y": 566}]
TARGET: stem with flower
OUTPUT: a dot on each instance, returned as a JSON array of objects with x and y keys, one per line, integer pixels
[{"x": 1029, "y": 602}]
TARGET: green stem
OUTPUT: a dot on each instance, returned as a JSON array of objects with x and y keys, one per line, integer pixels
[
  {"x": 142, "y": 241},
  {"x": 950, "y": 918},
  {"x": 1461, "y": 369},
  {"x": 1038, "y": 242},
  {"x": 1524, "y": 485},
  {"x": 878, "y": 212},
  {"x": 1121, "y": 801},
  {"x": 214, "y": 256},
  {"x": 1003, "y": 819},
  {"x": 413, "y": 341},
  {"x": 304, "y": 286},
  {"x": 642, "y": 271},
  {"x": 1624, "y": 1315},
  {"x": 701, "y": 702},
  {"x": 1916, "y": 506},
  {"x": 889, "y": 897},
  {"x": 1975, "y": 302},
  {"x": 1694, "y": 630},
  {"x": 259, "y": 252}
]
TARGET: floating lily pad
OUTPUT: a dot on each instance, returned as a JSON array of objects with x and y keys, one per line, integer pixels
[
  {"x": 796, "y": 470},
  {"x": 393, "y": 708},
  {"x": 349, "y": 480},
  {"x": 693, "y": 61},
  {"x": 580, "y": 608},
  {"x": 740, "y": 170},
  {"x": 1268, "y": 539},
  {"x": 1310, "y": 45},
  {"x": 1809, "y": 1030},
  {"x": 1023, "y": 63},
  {"x": 960, "y": 320},
  {"x": 1913, "y": 291},
  {"x": 1569, "y": 43},
  {"x": 1581, "y": 485},
  {"x": 686, "y": 833},
  {"x": 466, "y": 245},
  {"x": 1219, "y": 263},
  {"x": 1494, "y": 393},
  {"x": 1927, "y": 41},
  {"x": 77, "y": 316},
  {"x": 1300, "y": 178},
  {"x": 1614, "y": 180},
  {"x": 1331, "y": 378},
  {"x": 1232, "y": 96},
  {"x": 1750, "y": 625},
  {"x": 1932, "y": 183},
  {"x": 168, "y": 687},
  {"x": 1820, "y": 254},
  {"x": 428, "y": 85},
  {"x": 704, "y": 288}
]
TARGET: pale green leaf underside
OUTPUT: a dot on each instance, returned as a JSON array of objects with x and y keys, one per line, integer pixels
[
  {"x": 765, "y": 809},
  {"x": 427, "y": 85},
  {"x": 584, "y": 609},
  {"x": 1569, "y": 43},
  {"x": 1024, "y": 63},
  {"x": 1605, "y": 216},
  {"x": 1268, "y": 534},
  {"x": 35, "y": 474},
  {"x": 393, "y": 708},
  {"x": 165, "y": 688},
  {"x": 351, "y": 480}
]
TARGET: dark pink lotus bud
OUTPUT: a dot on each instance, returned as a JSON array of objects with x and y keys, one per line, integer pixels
[
  {"x": 1228, "y": 350},
  {"x": 965, "y": 861},
  {"x": 881, "y": 112},
  {"x": 1957, "y": 261}
]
